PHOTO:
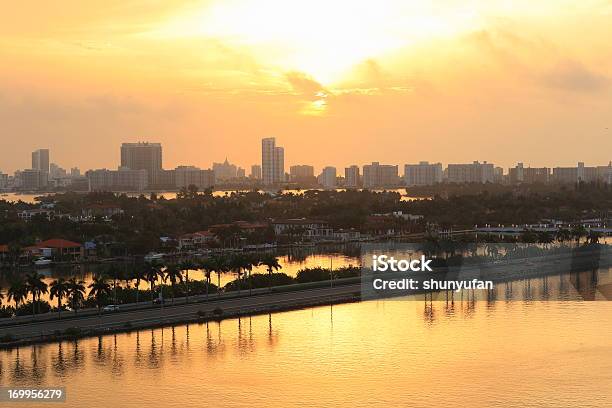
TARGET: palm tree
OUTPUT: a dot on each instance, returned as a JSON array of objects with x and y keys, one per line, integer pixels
[
  {"x": 152, "y": 273},
  {"x": 76, "y": 293},
  {"x": 563, "y": 235},
  {"x": 174, "y": 274},
  {"x": 208, "y": 267},
  {"x": 271, "y": 263},
  {"x": 237, "y": 264},
  {"x": 138, "y": 275},
  {"x": 249, "y": 263},
  {"x": 59, "y": 289},
  {"x": 220, "y": 265},
  {"x": 17, "y": 293},
  {"x": 578, "y": 232},
  {"x": 186, "y": 266},
  {"x": 114, "y": 271},
  {"x": 98, "y": 288},
  {"x": 35, "y": 286}
]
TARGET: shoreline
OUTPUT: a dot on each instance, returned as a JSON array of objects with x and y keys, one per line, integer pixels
[{"x": 263, "y": 301}]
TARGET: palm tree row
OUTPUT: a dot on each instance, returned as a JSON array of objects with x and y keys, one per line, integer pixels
[{"x": 73, "y": 290}]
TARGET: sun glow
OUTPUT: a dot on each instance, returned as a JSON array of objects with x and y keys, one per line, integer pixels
[{"x": 321, "y": 38}]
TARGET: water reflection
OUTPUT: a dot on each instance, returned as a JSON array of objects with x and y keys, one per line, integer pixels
[{"x": 384, "y": 352}]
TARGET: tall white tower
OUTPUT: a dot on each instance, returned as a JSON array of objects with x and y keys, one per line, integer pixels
[{"x": 272, "y": 162}]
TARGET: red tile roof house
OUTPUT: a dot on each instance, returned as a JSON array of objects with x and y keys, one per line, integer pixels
[
  {"x": 58, "y": 248},
  {"x": 195, "y": 239}
]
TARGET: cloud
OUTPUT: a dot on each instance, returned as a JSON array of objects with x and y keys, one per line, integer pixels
[
  {"x": 303, "y": 83},
  {"x": 573, "y": 76}
]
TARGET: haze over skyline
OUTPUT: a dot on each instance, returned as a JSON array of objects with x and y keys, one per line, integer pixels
[{"x": 336, "y": 83}]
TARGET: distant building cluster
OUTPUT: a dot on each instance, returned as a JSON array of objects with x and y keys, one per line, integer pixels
[{"x": 141, "y": 169}]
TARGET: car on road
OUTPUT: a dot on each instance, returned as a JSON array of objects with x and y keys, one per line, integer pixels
[{"x": 111, "y": 308}]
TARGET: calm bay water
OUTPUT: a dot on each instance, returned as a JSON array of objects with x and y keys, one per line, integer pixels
[
  {"x": 170, "y": 195},
  {"x": 368, "y": 354}
]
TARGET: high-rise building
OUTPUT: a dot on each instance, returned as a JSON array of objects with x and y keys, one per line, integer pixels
[
  {"x": 143, "y": 156},
  {"x": 471, "y": 173},
  {"x": 191, "y": 175},
  {"x": 225, "y": 170},
  {"x": 579, "y": 174},
  {"x": 33, "y": 179},
  {"x": 378, "y": 175},
  {"x": 528, "y": 175},
  {"x": 423, "y": 174},
  {"x": 55, "y": 171},
  {"x": 498, "y": 175},
  {"x": 300, "y": 171},
  {"x": 255, "y": 172},
  {"x": 75, "y": 172},
  {"x": 3, "y": 180},
  {"x": 604, "y": 173},
  {"x": 272, "y": 162},
  {"x": 351, "y": 177},
  {"x": 327, "y": 179},
  {"x": 240, "y": 172},
  {"x": 40, "y": 160},
  {"x": 123, "y": 179}
]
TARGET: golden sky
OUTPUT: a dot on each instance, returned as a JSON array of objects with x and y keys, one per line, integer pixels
[{"x": 337, "y": 82}]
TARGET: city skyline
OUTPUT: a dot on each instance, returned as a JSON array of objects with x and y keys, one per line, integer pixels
[
  {"x": 257, "y": 161},
  {"x": 404, "y": 81},
  {"x": 142, "y": 167}
]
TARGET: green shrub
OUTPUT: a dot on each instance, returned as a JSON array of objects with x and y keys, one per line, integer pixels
[
  {"x": 7, "y": 311},
  {"x": 40, "y": 306},
  {"x": 260, "y": 280},
  {"x": 72, "y": 331}
]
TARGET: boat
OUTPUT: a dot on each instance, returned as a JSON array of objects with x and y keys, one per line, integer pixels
[
  {"x": 43, "y": 262},
  {"x": 152, "y": 256}
]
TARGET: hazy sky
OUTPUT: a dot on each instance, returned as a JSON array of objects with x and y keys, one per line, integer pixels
[{"x": 337, "y": 82}]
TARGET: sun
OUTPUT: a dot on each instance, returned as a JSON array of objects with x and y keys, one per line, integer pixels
[{"x": 322, "y": 38}]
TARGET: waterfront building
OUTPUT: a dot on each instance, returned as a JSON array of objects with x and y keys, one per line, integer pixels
[
  {"x": 423, "y": 174},
  {"x": 40, "y": 160},
  {"x": 55, "y": 171},
  {"x": 32, "y": 179},
  {"x": 4, "y": 180},
  {"x": 521, "y": 174},
  {"x": 378, "y": 175},
  {"x": 309, "y": 229},
  {"x": 498, "y": 175},
  {"x": 255, "y": 172},
  {"x": 327, "y": 179},
  {"x": 225, "y": 171},
  {"x": 302, "y": 174},
  {"x": 351, "y": 177},
  {"x": 580, "y": 173},
  {"x": 123, "y": 179},
  {"x": 143, "y": 156},
  {"x": 191, "y": 175},
  {"x": 475, "y": 172},
  {"x": 272, "y": 162},
  {"x": 301, "y": 171},
  {"x": 604, "y": 173}
]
